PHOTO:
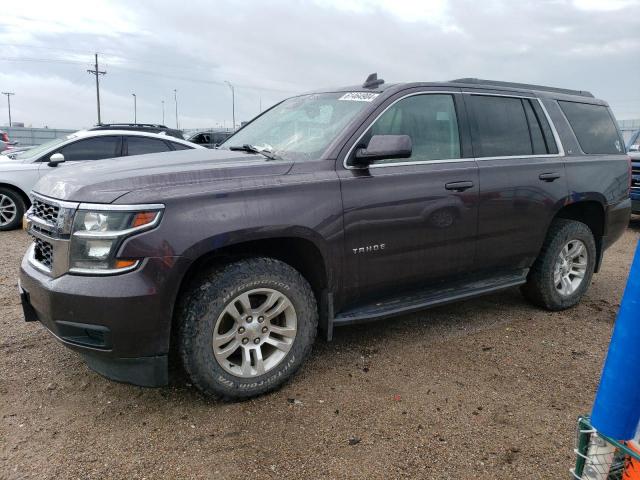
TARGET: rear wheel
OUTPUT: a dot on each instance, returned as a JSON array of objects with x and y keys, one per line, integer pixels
[
  {"x": 246, "y": 327},
  {"x": 562, "y": 272},
  {"x": 12, "y": 209}
]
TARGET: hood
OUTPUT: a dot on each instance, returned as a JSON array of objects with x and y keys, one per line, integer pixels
[{"x": 106, "y": 180}]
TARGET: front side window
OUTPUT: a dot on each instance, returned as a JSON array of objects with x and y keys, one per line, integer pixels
[
  {"x": 594, "y": 127},
  {"x": 142, "y": 145},
  {"x": 301, "y": 128},
  {"x": 431, "y": 122},
  {"x": 96, "y": 148}
]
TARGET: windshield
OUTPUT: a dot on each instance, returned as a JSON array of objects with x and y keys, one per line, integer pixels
[
  {"x": 301, "y": 128},
  {"x": 40, "y": 149}
]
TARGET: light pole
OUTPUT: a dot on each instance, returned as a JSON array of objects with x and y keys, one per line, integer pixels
[
  {"x": 175, "y": 97},
  {"x": 162, "y": 112},
  {"x": 8, "y": 94},
  {"x": 135, "y": 108},
  {"x": 233, "y": 104}
]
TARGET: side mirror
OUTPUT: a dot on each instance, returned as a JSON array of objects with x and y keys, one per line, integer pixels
[
  {"x": 55, "y": 159},
  {"x": 382, "y": 147}
]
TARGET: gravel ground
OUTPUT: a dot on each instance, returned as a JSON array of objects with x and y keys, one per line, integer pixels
[{"x": 488, "y": 388}]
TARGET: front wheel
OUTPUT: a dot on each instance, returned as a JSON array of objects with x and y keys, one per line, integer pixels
[
  {"x": 12, "y": 209},
  {"x": 562, "y": 272},
  {"x": 246, "y": 327}
]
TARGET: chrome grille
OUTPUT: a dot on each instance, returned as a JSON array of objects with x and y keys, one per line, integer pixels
[
  {"x": 45, "y": 211},
  {"x": 43, "y": 252},
  {"x": 635, "y": 181}
]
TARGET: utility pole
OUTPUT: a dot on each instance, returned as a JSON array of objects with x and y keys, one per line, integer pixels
[
  {"x": 8, "y": 94},
  {"x": 162, "y": 112},
  {"x": 97, "y": 73},
  {"x": 233, "y": 104},
  {"x": 175, "y": 97},
  {"x": 135, "y": 108}
]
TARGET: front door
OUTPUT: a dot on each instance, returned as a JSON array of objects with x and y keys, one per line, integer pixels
[{"x": 410, "y": 223}]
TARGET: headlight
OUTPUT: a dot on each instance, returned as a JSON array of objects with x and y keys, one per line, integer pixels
[{"x": 98, "y": 234}]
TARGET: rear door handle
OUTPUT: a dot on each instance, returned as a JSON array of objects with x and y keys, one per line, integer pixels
[
  {"x": 549, "y": 177},
  {"x": 458, "y": 186}
]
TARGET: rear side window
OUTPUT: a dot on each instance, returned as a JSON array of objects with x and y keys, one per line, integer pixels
[
  {"x": 142, "y": 145},
  {"x": 180, "y": 146},
  {"x": 509, "y": 127},
  {"x": 594, "y": 127}
]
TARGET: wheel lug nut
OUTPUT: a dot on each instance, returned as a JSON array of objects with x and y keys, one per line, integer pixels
[
  {"x": 265, "y": 329},
  {"x": 241, "y": 330},
  {"x": 260, "y": 319},
  {"x": 249, "y": 319},
  {"x": 245, "y": 340},
  {"x": 256, "y": 341}
]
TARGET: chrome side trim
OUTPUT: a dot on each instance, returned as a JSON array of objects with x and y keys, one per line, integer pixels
[
  {"x": 556, "y": 137},
  {"x": 121, "y": 208}
]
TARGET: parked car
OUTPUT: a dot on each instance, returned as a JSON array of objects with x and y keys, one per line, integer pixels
[
  {"x": 141, "y": 127},
  {"x": 331, "y": 208},
  {"x": 20, "y": 171},
  {"x": 634, "y": 152},
  {"x": 209, "y": 138}
]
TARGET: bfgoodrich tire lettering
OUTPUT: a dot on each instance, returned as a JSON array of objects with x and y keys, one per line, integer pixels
[
  {"x": 208, "y": 299},
  {"x": 541, "y": 288}
]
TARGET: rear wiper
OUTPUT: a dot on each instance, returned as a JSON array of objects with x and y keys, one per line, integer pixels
[{"x": 253, "y": 149}]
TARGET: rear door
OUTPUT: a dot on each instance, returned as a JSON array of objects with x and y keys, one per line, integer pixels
[
  {"x": 522, "y": 177},
  {"x": 405, "y": 223}
]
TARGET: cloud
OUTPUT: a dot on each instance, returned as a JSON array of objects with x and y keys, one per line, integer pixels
[{"x": 273, "y": 49}]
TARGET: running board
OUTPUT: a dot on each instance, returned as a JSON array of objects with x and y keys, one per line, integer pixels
[{"x": 417, "y": 301}]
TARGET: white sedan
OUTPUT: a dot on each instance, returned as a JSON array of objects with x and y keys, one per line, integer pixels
[{"x": 19, "y": 172}]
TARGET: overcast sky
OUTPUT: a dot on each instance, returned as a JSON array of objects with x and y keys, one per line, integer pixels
[{"x": 273, "y": 49}]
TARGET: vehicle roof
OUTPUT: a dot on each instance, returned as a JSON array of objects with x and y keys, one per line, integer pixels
[
  {"x": 477, "y": 83},
  {"x": 135, "y": 133}
]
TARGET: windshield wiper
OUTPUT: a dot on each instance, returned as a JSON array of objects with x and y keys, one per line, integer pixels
[{"x": 254, "y": 149}]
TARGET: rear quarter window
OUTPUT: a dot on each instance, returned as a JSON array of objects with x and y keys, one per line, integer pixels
[{"x": 594, "y": 127}]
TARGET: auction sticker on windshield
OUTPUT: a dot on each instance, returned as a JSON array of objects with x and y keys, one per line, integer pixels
[{"x": 359, "y": 96}]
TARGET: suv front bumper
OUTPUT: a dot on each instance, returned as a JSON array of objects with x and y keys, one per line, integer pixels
[{"x": 121, "y": 324}]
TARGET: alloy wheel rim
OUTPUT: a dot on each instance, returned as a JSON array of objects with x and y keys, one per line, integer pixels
[
  {"x": 571, "y": 267},
  {"x": 254, "y": 332},
  {"x": 8, "y": 210}
]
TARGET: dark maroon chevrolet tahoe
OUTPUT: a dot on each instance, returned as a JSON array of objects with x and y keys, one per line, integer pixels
[{"x": 335, "y": 207}]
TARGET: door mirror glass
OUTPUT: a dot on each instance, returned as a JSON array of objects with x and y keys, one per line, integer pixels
[
  {"x": 55, "y": 159},
  {"x": 383, "y": 147}
]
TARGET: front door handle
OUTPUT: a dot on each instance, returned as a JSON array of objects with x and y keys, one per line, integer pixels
[
  {"x": 549, "y": 177},
  {"x": 459, "y": 186}
]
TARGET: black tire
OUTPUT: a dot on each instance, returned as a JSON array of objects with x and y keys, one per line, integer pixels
[
  {"x": 540, "y": 288},
  {"x": 20, "y": 208},
  {"x": 205, "y": 301}
]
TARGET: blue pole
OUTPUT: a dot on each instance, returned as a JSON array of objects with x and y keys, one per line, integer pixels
[{"x": 616, "y": 409}]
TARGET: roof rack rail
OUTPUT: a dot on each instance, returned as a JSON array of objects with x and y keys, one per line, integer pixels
[
  {"x": 480, "y": 81},
  {"x": 131, "y": 125}
]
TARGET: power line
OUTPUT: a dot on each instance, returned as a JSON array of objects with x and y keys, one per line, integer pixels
[{"x": 148, "y": 72}]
